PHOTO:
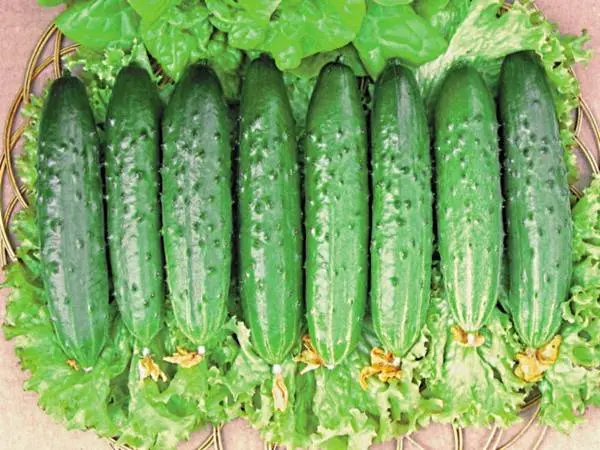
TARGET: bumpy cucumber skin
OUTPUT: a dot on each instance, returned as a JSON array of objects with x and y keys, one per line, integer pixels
[
  {"x": 469, "y": 198},
  {"x": 537, "y": 195},
  {"x": 270, "y": 217},
  {"x": 132, "y": 181},
  {"x": 197, "y": 203},
  {"x": 70, "y": 215},
  {"x": 337, "y": 213},
  {"x": 402, "y": 222}
]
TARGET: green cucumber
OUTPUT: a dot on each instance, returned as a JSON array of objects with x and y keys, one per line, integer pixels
[
  {"x": 337, "y": 213},
  {"x": 469, "y": 197},
  {"x": 402, "y": 223},
  {"x": 537, "y": 194},
  {"x": 197, "y": 203},
  {"x": 133, "y": 209},
  {"x": 70, "y": 214},
  {"x": 270, "y": 218}
]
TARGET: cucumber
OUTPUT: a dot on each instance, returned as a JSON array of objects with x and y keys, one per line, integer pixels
[
  {"x": 197, "y": 204},
  {"x": 133, "y": 208},
  {"x": 270, "y": 218},
  {"x": 70, "y": 215},
  {"x": 337, "y": 213},
  {"x": 469, "y": 197},
  {"x": 402, "y": 222},
  {"x": 537, "y": 209}
]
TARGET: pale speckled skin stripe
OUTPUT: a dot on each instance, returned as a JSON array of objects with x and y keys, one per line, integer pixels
[
  {"x": 469, "y": 202},
  {"x": 537, "y": 194},
  {"x": 337, "y": 214},
  {"x": 402, "y": 223}
]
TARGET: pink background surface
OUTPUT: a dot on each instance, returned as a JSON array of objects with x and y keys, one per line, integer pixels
[{"x": 24, "y": 426}]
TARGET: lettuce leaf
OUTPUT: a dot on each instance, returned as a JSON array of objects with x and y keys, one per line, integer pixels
[
  {"x": 155, "y": 419},
  {"x": 327, "y": 408},
  {"x": 396, "y": 31},
  {"x": 27, "y": 160},
  {"x": 482, "y": 40},
  {"x": 98, "y": 24},
  {"x": 204, "y": 387},
  {"x": 175, "y": 32},
  {"x": 473, "y": 386},
  {"x": 477, "y": 387},
  {"x": 289, "y": 30}
]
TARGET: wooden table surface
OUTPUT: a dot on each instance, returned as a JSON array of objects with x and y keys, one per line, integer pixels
[{"x": 23, "y": 426}]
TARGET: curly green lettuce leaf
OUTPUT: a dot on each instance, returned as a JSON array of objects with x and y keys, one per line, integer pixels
[
  {"x": 161, "y": 414},
  {"x": 573, "y": 383},
  {"x": 586, "y": 232},
  {"x": 289, "y": 30},
  {"x": 175, "y": 32},
  {"x": 98, "y": 24},
  {"x": 475, "y": 386},
  {"x": 396, "y": 32},
  {"x": 27, "y": 160},
  {"x": 568, "y": 388},
  {"x": 204, "y": 387},
  {"x": 327, "y": 408},
  {"x": 380, "y": 413},
  {"x": 250, "y": 382},
  {"x": 155, "y": 421}
]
